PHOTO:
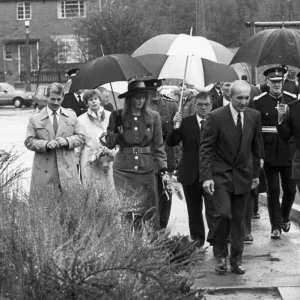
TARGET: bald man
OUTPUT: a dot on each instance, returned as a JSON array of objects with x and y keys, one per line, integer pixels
[{"x": 230, "y": 153}]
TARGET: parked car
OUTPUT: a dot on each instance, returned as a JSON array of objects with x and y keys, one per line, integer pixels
[
  {"x": 39, "y": 97},
  {"x": 10, "y": 96}
]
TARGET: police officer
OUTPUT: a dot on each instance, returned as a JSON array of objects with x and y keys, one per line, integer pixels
[
  {"x": 278, "y": 154},
  {"x": 74, "y": 101},
  {"x": 167, "y": 108}
]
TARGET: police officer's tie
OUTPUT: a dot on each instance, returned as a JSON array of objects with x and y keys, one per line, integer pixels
[
  {"x": 202, "y": 125},
  {"x": 239, "y": 126},
  {"x": 55, "y": 123}
]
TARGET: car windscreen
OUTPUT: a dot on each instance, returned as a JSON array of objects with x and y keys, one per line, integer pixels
[{"x": 7, "y": 87}]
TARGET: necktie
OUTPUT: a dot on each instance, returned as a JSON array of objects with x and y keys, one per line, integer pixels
[
  {"x": 55, "y": 123},
  {"x": 202, "y": 125},
  {"x": 79, "y": 98},
  {"x": 239, "y": 126},
  {"x": 220, "y": 94}
]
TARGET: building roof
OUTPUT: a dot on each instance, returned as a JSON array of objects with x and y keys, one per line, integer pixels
[{"x": 20, "y": 37}]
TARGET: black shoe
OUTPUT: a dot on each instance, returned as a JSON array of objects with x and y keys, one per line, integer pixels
[
  {"x": 248, "y": 239},
  {"x": 285, "y": 226},
  {"x": 221, "y": 266},
  {"x": 237, "y": 270},
  {"x": 256, "y": 216},
  {"x": 276, "y": 234}
]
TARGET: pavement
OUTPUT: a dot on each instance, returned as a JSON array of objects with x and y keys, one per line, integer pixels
[{"x": 273, "y": 267}]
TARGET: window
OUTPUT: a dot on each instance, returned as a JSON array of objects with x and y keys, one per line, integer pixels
[
  {"x": 8, "y": 52},
  {"x": 23, "y": 10},
  {"x": 68, "y": 50},
  {"x": 71, "y": 9}
]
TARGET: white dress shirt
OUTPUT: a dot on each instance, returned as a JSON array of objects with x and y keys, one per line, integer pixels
[
  {"x": 235, "y": 113},
  {"x": 225, "y": 102},
  {"x": 199, "y": 119},
  {"x": 51, "y": 116}
]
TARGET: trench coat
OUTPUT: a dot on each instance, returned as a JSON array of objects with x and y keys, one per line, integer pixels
[
  {"x": 56, "y": 169},
  {"x": 93, "y": 175}
]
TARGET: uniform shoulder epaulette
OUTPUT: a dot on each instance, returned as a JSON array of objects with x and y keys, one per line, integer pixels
[
  {"x": 167, "y": 98},
  {"x": 259, "y": 96},
  {"x": 290, "y": 94}
]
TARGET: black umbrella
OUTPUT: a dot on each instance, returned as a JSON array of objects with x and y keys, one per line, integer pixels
[
  {"x": 107, "y": 69},
  {"x": 271, "y": 46}
]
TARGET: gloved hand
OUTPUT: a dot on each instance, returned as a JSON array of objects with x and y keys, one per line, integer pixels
[
  {"x": 163, "y": 171},
  {"x": 118, "y": 123}
]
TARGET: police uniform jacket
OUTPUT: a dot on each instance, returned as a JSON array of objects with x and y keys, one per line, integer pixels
[
  {"x": 277, "y": 151},
  {"x": 141, "y": 144}
]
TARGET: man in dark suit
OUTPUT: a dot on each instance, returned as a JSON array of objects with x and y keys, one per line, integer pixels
[
  {"x": 74, "y": 101},
  {"x": 215, "y": 92},
  {"x": 188, "y": 170},
  {"x": 288, "y": 127},
  {"x": 230, "y": 152},
  {"x": 225, "y": 99}
]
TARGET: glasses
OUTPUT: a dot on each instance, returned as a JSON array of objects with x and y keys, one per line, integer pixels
[{"x": 204, "y": 104}]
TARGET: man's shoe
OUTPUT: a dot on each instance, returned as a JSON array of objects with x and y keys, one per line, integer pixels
[
  {"x": 256, "y": 216},
  {"x": 248, "y": 239},
  {"x": 276, "y": 234},
  {"x": 221, "y": 266},
  {"x": 286, "y": 226},
  {"x": 237, "y": 269}
]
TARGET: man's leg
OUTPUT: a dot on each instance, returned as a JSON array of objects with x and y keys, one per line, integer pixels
[
  {"x": 209, "y": 214},
  {"x": 238, "y": 210},
  {"x": 272, "y": 176},
  {"x": 194, "y": 204},
  {"x": 288, "y": 196},
  {"x": 249, "y": 214},
  {"x": 164, "y": 203},
  {"x": 222, "y": 223}
]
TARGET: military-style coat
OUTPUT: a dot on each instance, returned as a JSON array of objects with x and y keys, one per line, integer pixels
[
  {"x": 277, "y": 151},
  {"x": 53, "y": 169},
  {"x": 137, "y": 133}
]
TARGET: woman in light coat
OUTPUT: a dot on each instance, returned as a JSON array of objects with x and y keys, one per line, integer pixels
[{"x": 94, "y": 122}]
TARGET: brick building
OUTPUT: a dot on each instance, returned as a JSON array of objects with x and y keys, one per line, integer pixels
[{"x": 52, "y": 41}]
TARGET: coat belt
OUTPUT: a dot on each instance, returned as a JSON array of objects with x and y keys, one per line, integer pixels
[{"x": 135, "y": 150}]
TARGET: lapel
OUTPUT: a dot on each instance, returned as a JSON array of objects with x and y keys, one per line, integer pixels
[
  {"x": 231, "y": 128},
  {"x": 197, "y": 133},
  {"x": 62, "y": 122},
  {"x": 246, "y": 132},
  {"x": 46, "y": 123}
]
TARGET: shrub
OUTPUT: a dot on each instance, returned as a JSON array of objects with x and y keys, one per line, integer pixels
[{"x": 78, "y": 246}]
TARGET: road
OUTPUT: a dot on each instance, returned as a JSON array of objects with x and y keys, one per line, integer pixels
[{"x": 270, "y": 264}]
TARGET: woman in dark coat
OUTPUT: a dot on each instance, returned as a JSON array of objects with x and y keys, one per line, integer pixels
[{"x": 137, "y": 130}]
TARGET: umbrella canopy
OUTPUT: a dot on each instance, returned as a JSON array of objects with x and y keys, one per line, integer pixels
[
  {"x": 200, "y": 72},
  {"x": 165, "y": 57},
  {"x": 105, "y": 69},
  {"x": 271, "y": 46}
]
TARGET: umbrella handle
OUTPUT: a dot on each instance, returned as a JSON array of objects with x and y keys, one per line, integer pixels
[{"x": 114, "y": 98}]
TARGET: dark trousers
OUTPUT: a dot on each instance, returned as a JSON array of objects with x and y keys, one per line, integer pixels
[
  {"x": 279, "y": 213},
  {"x": 252, "y": 198},
  {"x": 229, "y": 217},
  {"x": 164, "y": 203},
  {"x": 194, "y": 195}
]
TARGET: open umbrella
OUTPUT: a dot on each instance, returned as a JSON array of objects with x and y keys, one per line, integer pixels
[
  {"x": 106, "y": 69},
  {"x": 271, "y": 46},
  {"x": 165, "y": 57},
  {"x": 200, "y": 72}
]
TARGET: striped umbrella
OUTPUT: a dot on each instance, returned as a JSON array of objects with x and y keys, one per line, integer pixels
[{"x": 165, "y": 57}]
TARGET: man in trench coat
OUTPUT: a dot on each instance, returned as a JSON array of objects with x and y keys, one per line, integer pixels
[{"x": 52, "y": 134}]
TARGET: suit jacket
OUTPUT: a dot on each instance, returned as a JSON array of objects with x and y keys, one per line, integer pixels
[
  {"x": 56, "y": 167},
  {"x": 189, "y": 134},
  {"x": 214, "y": 95},
  {"x": 232, "y": 166},
  {"x": 290, "y": 127},
  {"x": 70, "y": 101}
]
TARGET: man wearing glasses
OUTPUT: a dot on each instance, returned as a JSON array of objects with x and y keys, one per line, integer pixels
[{"x": 278, "y": 153}]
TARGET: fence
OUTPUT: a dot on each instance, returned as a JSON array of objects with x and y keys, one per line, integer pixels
[{"x": 44, "y": 76}]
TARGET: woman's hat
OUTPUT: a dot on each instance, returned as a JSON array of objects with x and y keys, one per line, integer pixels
[{"x": 135, "y": 87}]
